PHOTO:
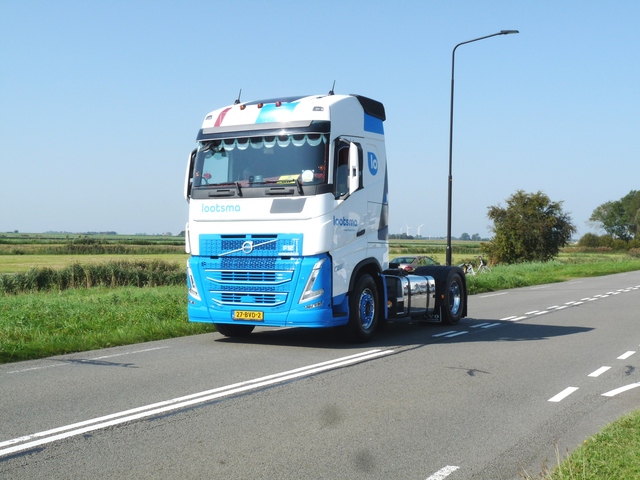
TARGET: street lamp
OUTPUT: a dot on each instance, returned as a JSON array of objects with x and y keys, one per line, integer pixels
[{"x": 453, "y": 59}]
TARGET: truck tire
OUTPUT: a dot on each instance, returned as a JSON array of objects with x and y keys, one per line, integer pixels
[
  {"x": 363, "y": 310},
  {"x": 454, "y": 298},
  {"x": 234, "y": 330}
]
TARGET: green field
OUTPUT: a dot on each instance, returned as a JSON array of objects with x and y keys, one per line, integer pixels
[{"x": 22, "y": 263}]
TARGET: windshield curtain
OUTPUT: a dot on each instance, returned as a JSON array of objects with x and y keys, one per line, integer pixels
[{"x": 256, "y": 161}]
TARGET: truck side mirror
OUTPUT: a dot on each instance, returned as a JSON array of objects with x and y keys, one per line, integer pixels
[
  {"x": 188, "y": 180},
  {"x": 354, "y": 168}
]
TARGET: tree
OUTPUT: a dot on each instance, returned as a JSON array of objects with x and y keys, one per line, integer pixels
[
  {"x": 619, "y": 218},
  {"x": 530, "y": 228},
  {"x": 465, "y": 236}
]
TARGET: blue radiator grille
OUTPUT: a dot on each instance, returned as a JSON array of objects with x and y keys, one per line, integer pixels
[
  {"x": 254, "y": 245},
  {"x": 249, "y": 298},
  {"x": 248, "y": 276},
  {"x": 250, "y": 270}
]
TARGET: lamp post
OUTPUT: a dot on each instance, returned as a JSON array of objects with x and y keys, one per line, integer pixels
[{"x": 453, "y": 59}]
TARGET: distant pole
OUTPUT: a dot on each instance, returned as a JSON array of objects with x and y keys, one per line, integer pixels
[{"x": 453, "y": 60}]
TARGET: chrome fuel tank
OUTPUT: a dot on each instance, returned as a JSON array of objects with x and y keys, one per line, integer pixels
[{"x": 410, "y": 295}]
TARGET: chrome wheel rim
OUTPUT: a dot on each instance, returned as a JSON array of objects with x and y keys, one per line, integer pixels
[
  {"x": 367, "y": 309},
  {"x": 455, "y": 298}
]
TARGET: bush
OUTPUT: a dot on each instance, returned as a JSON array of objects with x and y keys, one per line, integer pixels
[
  {"x": 589, "y": 240},
  {"x": 620, "y": 245},
  {"x": 110, "y": 274}
]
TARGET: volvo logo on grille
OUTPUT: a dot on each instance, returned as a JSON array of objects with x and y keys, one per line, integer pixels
[{"x": 247, "y": 247}]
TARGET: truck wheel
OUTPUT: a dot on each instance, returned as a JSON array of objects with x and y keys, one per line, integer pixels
[
  {"x": 363, "y": 310},
  {"x": 454, "y": 299},
  {"x": 234, "y": 330}
]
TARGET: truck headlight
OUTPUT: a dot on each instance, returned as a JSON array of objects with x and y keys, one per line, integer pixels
[
  {"x": 193, "y": 289},
  {"x": 309, "y": 293}
]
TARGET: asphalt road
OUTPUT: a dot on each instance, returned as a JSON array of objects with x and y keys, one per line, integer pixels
[{"x": 533, "y": 368}]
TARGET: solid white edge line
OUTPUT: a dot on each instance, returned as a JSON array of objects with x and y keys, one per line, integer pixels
[
  {"x": 178, "y": 399},
  {"x": 563, "y": 394},
  {"x": 598, "y": 372},
  {"x": 181, "y": 402},
  {"x": 493, "y": 295},
  {"x": 616, "y": 391},
  {"x": 443, "y": 473},
  {"x": 126, "y": 353},
  {"x": 86, "y": 360}
]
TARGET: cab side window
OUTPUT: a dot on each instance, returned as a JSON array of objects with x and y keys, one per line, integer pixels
[{"x": 342, "y": 170}]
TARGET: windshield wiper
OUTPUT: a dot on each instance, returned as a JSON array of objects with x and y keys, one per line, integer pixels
[{"x": 209, "y": 185}]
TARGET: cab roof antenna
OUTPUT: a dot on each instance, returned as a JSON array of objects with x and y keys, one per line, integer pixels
[
  {"x": 238, "y": 99},
  {"x": 332, "y": 88}
]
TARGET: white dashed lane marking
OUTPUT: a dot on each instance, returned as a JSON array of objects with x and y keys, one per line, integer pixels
[
  {"x": 443, "y": 473},
  {"x": 626, "y": 355},
  {"x": 599, "y": 372},
  {"x": 571, "y": 303},
  {"x": 563, "y": 394}
]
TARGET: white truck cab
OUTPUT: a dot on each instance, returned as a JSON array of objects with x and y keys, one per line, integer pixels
[{"x": 288, "y": 222}]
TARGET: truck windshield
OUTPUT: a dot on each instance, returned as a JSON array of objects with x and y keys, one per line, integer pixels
[{"x": 257, "y": 161}]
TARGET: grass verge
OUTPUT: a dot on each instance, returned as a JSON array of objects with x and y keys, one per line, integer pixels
[
  {"x": 538, "y": 273},
  {"x": 41, "y": 324},
  {"x": 611, "y": 453}
]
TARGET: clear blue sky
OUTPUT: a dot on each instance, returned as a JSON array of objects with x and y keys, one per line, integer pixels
[{"x": 100, "y": 102}]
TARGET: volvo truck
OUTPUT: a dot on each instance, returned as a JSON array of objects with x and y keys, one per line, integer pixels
[{"x": 289, "y": 222}]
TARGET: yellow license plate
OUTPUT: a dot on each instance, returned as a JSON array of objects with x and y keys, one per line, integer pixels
[{"x": 248, "y": 315}]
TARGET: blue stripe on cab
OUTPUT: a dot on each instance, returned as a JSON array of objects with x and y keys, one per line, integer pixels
[{"x": 373, "y": 124}]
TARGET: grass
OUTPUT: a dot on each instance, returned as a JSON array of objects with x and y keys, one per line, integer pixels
[
  {"x": 538, "y": 273},
  {"x": 42, "y": 324},
  {"x": 613, "y": 453}
]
